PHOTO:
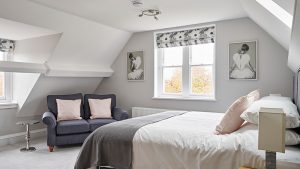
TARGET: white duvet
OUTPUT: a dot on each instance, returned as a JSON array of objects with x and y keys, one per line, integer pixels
[{"x": 187, "y": 142}]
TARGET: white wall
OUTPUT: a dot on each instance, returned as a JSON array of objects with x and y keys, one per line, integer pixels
[
  {"x": 273, "y": 74},
  {"x": 294, "y": 51}
]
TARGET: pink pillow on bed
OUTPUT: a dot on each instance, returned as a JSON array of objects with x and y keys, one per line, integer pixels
[{"x": 232, "y": 120}]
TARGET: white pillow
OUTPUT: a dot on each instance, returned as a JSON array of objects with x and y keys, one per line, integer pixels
[
  {"x": 100, "y": 108},
  {"x": 276, "y": 98},
  {"x": 291, "y": 138},
  {"x": 289, "y": 108},
  {"x": 68, "y": 109}
]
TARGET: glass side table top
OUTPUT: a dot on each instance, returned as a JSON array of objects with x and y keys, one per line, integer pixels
[{"x": 26, "y": 122}]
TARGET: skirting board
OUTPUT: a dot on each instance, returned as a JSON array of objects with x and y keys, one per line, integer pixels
[{"x": 20, "y": 137}]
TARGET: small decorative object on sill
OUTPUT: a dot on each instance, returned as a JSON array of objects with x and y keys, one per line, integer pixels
[
  {"x": 271, "y": 134},
  {"x": 7, "y": 45},
  {"x": 135, "y": 66},
  {"x": 243, "y": 60}
]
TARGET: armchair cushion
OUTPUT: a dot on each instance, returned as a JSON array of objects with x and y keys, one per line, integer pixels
[
  {"x": 95, "y": 123},
  {"x": 72, "y": 127},
  {"x": 119, "y": 114},
  {"x": 96, "y": 96},
  {"x": 52, "y": 105}
]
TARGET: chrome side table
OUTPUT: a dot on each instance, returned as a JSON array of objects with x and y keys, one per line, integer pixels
[{"x": 27, "y": 124}]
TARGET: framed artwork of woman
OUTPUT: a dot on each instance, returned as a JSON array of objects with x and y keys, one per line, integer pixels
[
  {"x": 135, "y": 66},
  {"x": 243, "y": 60}
]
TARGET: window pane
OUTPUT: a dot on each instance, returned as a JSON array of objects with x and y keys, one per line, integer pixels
[
  {"x": 173, "y": 56},
  {"x": 172, "y": 79},
  {"x": 2, "y": 84},
  {"x": 1, "y": 55},
  {"x": 202, "y": 54},
  {"x": 202, "y": 81}
]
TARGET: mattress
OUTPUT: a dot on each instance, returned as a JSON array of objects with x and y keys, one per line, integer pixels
[{"x": 187, "y": 142}]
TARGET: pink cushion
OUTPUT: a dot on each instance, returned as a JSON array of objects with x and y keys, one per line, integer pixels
[
  {"x": 232, "y": 120},
  {"x": 100, "y": 108},
  {"x": 253, "y": 96},
  {"x": 68, "y": 109}
]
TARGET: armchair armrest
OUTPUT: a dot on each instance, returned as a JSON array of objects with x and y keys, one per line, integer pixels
[
  {"x": 120, "y": 114},
  {"x": 49, "y": 119}
]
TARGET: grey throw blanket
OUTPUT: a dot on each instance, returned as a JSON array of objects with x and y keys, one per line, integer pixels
[{"x": 111, "y": 145}]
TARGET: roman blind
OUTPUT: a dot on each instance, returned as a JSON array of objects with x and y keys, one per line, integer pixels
[
  {"x": 186, "y": 37},
  {"x": 7, "y": 45}
]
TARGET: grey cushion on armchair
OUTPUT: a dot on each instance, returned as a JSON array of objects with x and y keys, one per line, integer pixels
[{"x": 117, "y": 113}]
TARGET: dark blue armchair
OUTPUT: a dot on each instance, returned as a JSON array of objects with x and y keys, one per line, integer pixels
[{"x": 76, "y": 131}]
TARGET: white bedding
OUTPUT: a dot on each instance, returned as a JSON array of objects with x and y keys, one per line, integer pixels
[{"x": 187, "y": 142}]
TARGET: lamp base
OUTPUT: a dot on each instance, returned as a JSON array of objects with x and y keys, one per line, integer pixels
[{"x": 270, "y": 160}]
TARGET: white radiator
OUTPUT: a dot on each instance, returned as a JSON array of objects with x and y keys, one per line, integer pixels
[{"x": 143, "y": 111}]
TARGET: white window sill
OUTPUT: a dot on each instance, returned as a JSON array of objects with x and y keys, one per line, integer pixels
[
  {"x": 8, "y": 105},
  {"x": 201, "y": 98}
]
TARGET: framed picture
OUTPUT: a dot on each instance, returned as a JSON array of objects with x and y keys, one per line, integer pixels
[
  {"x": 135, "y": 66},
  {"x": 243, "y": 60}
]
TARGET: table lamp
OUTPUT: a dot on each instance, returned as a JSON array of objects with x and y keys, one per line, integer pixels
[{"x": 271, "y": 134}]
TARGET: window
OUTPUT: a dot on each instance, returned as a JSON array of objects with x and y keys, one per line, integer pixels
[
  {"x": 186, "y": 72},
  {"x": 5, "y": 81},
  {"x": 185, "y": 64}
]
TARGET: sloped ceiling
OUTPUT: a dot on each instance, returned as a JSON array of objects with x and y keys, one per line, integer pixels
[
  {"x": 83, "y": 44},
  {"x": 272, "y": 25},
  {"x": 123, "y": 15}
]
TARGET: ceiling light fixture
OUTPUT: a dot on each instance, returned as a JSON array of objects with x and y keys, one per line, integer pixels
[
  {"x": 150, "y": 12},
  {"x": 137, "y": 3}
]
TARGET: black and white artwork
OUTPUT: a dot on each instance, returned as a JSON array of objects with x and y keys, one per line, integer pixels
[
  {"x": 135, "y": 66},
  {"x": 243, "y": 60}
]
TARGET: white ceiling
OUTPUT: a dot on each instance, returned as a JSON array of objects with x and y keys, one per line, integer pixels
[
  {"x": 121, "y": 14},
  {"x": 19, "y": 31}
]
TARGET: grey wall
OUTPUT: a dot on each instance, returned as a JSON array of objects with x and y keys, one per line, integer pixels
[
  {"x": 273, "y": 74},
  {"x": 9, "y": 119}
]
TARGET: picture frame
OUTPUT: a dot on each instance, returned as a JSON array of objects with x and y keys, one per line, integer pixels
[
  {"x": 242, "y": 60},
  {"x": 135, "y": 66}
]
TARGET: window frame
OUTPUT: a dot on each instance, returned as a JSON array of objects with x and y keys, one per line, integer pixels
[
  {"x": 7, "y": 97},
  {"x": 186, "y": 93}
]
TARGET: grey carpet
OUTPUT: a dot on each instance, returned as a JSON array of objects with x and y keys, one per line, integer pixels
[{"x": 61, "y": 158}]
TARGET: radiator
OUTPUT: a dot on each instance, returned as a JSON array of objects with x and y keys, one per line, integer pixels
[{"x": 144, "y": 111}]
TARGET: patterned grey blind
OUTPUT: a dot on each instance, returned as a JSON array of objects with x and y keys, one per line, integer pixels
[
  {"x": 186, "y": 37},
  {"x": 7, "y": 45}
]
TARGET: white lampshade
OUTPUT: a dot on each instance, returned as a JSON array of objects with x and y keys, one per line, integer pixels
[{"x": 271, "y": 134}]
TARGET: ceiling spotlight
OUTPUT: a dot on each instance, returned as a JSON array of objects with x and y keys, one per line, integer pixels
[
  {"x": 137, "y": 3},
  {"x": 150, "y": 12}
]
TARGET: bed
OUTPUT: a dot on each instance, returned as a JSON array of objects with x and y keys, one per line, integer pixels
[{"x": 179, "y": 140}]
